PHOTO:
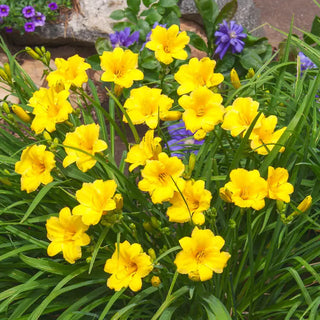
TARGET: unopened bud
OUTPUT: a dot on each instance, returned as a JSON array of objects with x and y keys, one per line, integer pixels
[
  {"x": 5, "y": 181},
  {"x": 3, "y": 75},
  {"x": 232, "y": 224},
  {"x": 38, "y": 50},
  {"x": 235, "y": 81},
  {"x": 7, "y": 70},
  {"x": 155, "y": 223},
  {"x": 43, "y": 49},
  {"x": 225, "y": 194},
  {"x": 118, "y": 200},
  {"x": 6, "y": 108},
  {"x": 155, "y": 281},
  {"x": 32, "y": 53},
  {"x": 48, "y": 56},
  {"x": 152, "y": 254},
  {"x": 305, "y": 204},
  {"x": 47, "y": 136},
  {"x": 200, "y": 134},
  {"x": 147, "y": 226},
  {"x": 21, "y": 113},
  {"x": 250, "y": 74},
  {"x": 171, "y": 115}
]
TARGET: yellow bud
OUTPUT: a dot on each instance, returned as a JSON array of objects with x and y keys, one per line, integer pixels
[
  {"x": 152, "y": 254},
  {"x": 38, "y": 50},
  {"x": 198, "y": 218},
  {"x": 48, "y": 56},
  {"x": 118, "y": 200},
  {"x": 305, "y": 204},
  {"x": 225, "y": 194},
  {"x": 32, "y": 53},
  {"x": 155, "y": 281},
  {"x": 235, "y": 81},
  {"x": 47, "y": 136},
  {"x": 192, "y": 162},
  {"x": 21, "y": 113},
  {"x": 118, "y": 90},
  {"x": 5, "y": 181},
  {"x": 7, "y": 70},
  {"x": 171, "y": 116},
  {"x": 250, "y": 74},
  {"x": 200, "y": 134},
  {"x": 43, "y": 49},
  {"x": 155, "y": 223},
  {"x": 5, "y": 107},
  {"x": 3, "y": 75},
  {"x": 147, "y": 226}
]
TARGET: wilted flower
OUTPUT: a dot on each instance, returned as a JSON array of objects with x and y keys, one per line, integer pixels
[
  {"x": 278, "y": 187},
  {"x": 195, "y": 199},
  {"x": 120, "y": 67},
  {"x": 85, "y": 138},
  {"x": 305, "y": 62},
  {"x": 95, "y": 200},
  {"x": 128, "y": 265},
  {"x": 8, "y": 29},
  {"x": 35, "y": 166},
  {"x": 162, "y": 177},
  {"x": 201, "y": 255},
  {"x": 182, "y": 140},
  {"x": 197, "y": 74},
  {"x": 246, "y": 189},
  {"x": 203, "y": 110},
  {"x": 147, "y": 149},
  {"x": 49, "y": 107},
  {"x": 39, "y": 19},
  {"x": 123, "y": 38},
  {"x": 69, "y": 72},
  {"x": 28, "y": 11},
  {"x": 67, "y": 234},
  {"x": 53, "y": 6},
  {"x": 229, "y": 37},
  {"x": 4, "y": 10},
  {"x": 168, "y": 43},
  {"x": 29, "y": 27},
  {"x": 148, "y": 105}
]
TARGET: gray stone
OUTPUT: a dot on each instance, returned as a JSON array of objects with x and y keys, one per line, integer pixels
[
  {"x": 247, "y": 14},
  {"x": 84, "y": 27}
]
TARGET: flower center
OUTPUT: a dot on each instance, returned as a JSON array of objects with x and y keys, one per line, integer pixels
[
  {"x": 244, "y": 194},
  {"x": 166, "y": 49},
  {"x": 201, "y": 111},
  {"x": 232, "y": 35},
  {"x": 131, "y": 267},
  {"x": 163, "y": 176},
  {"x": 200, "y": 256},
  {"x": 38, "y": 168}
]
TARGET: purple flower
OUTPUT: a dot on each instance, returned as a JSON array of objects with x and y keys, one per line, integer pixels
[
  {"x": 8, "y": 29},
  {"x": 123, "y": 38},
  {"x": 229, "y": 37},
  {"x": 29, "y": 27},
  {"x": 181, "y": 140},
  {"x": 39, "y": 19},
  {"x": 305, "y": 62},
  {"x": 53, "y": 6},
  {"x": 28, "y": 12},
  {"x": 4, "y": 10}
]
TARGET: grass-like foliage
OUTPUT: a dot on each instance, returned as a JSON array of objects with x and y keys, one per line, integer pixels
[{"x": 213, "y": 230}]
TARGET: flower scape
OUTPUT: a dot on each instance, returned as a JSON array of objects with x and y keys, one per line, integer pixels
[{"x": 202, "y": 216}]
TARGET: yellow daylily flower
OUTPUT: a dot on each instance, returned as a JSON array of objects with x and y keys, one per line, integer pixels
[
  {"x": 128, "y": 265},
  {"x": 67, "y": 234},
  {"x": 86, "y": 138},
  {"x": 168, "y": 44},
  {"x": 120, "y": 66},
  {"x": 197, "y": 74},
  {"x": 201, "y": 255},
  {"x": 35, "y": 166}
]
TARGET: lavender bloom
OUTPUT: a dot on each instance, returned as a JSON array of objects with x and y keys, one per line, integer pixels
[
  {"x": 28, "y": 12},
  {"x": 123, "y": 38},
  {"x": 181, "y": 140},
  {"x": 53, "y": 6},
  {"x": 229, "y": 37},
  {"x": 305, "y": 62},
  {"x": 4, "y": 10},
  {"x": 8, "y": 29},
  {"x": 29, "y": 27},
  {"x": 39, "y": 19}
]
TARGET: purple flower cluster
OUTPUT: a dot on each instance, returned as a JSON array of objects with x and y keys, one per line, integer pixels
[
  {"x": 305, "y": 62},
  {"x": 229, "y": 37},
  {"x": 37, "y": 19},
  {"x": 123, "y": 38},
  {"x": 182, "y": 140}
]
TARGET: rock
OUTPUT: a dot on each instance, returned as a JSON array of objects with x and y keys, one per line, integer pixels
[
  {"x": 91, "y": 20},
  {"x": 247, "y": 14}
]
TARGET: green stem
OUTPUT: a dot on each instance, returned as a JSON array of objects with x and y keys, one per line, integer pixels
[
  {"x": 251, "y": 261},
  {"x": 112, "y": 113}
]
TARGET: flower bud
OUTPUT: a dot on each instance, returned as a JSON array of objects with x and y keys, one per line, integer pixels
[
  {"x": 3, "y": 75},
  {"x": 21, "y": 113},
  {"x": 152, "y": 254},
  {"x": 38, "y": 50},
  {"x": 155, "y": 281},
  {"x": 155, "y": 223},
  {"x": 6, "y": 108},
  {"x": 32, "y": 53},
  {"x": 47, "y": 136},
  {"x": 225, "y": 194},
  {"x": 192, "y": 162},
  {"x": 235, "y": 81},
  {"x": 7, "y": 70},
  {"x": 305, "y": 204},
  {"x": 147, "y": 226},
  {"x": 250, "y": 74},
  {"x": 118, "y": 200},
  {"x": 171, "y": 116},
  {"x": 5, "y": 181}
]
